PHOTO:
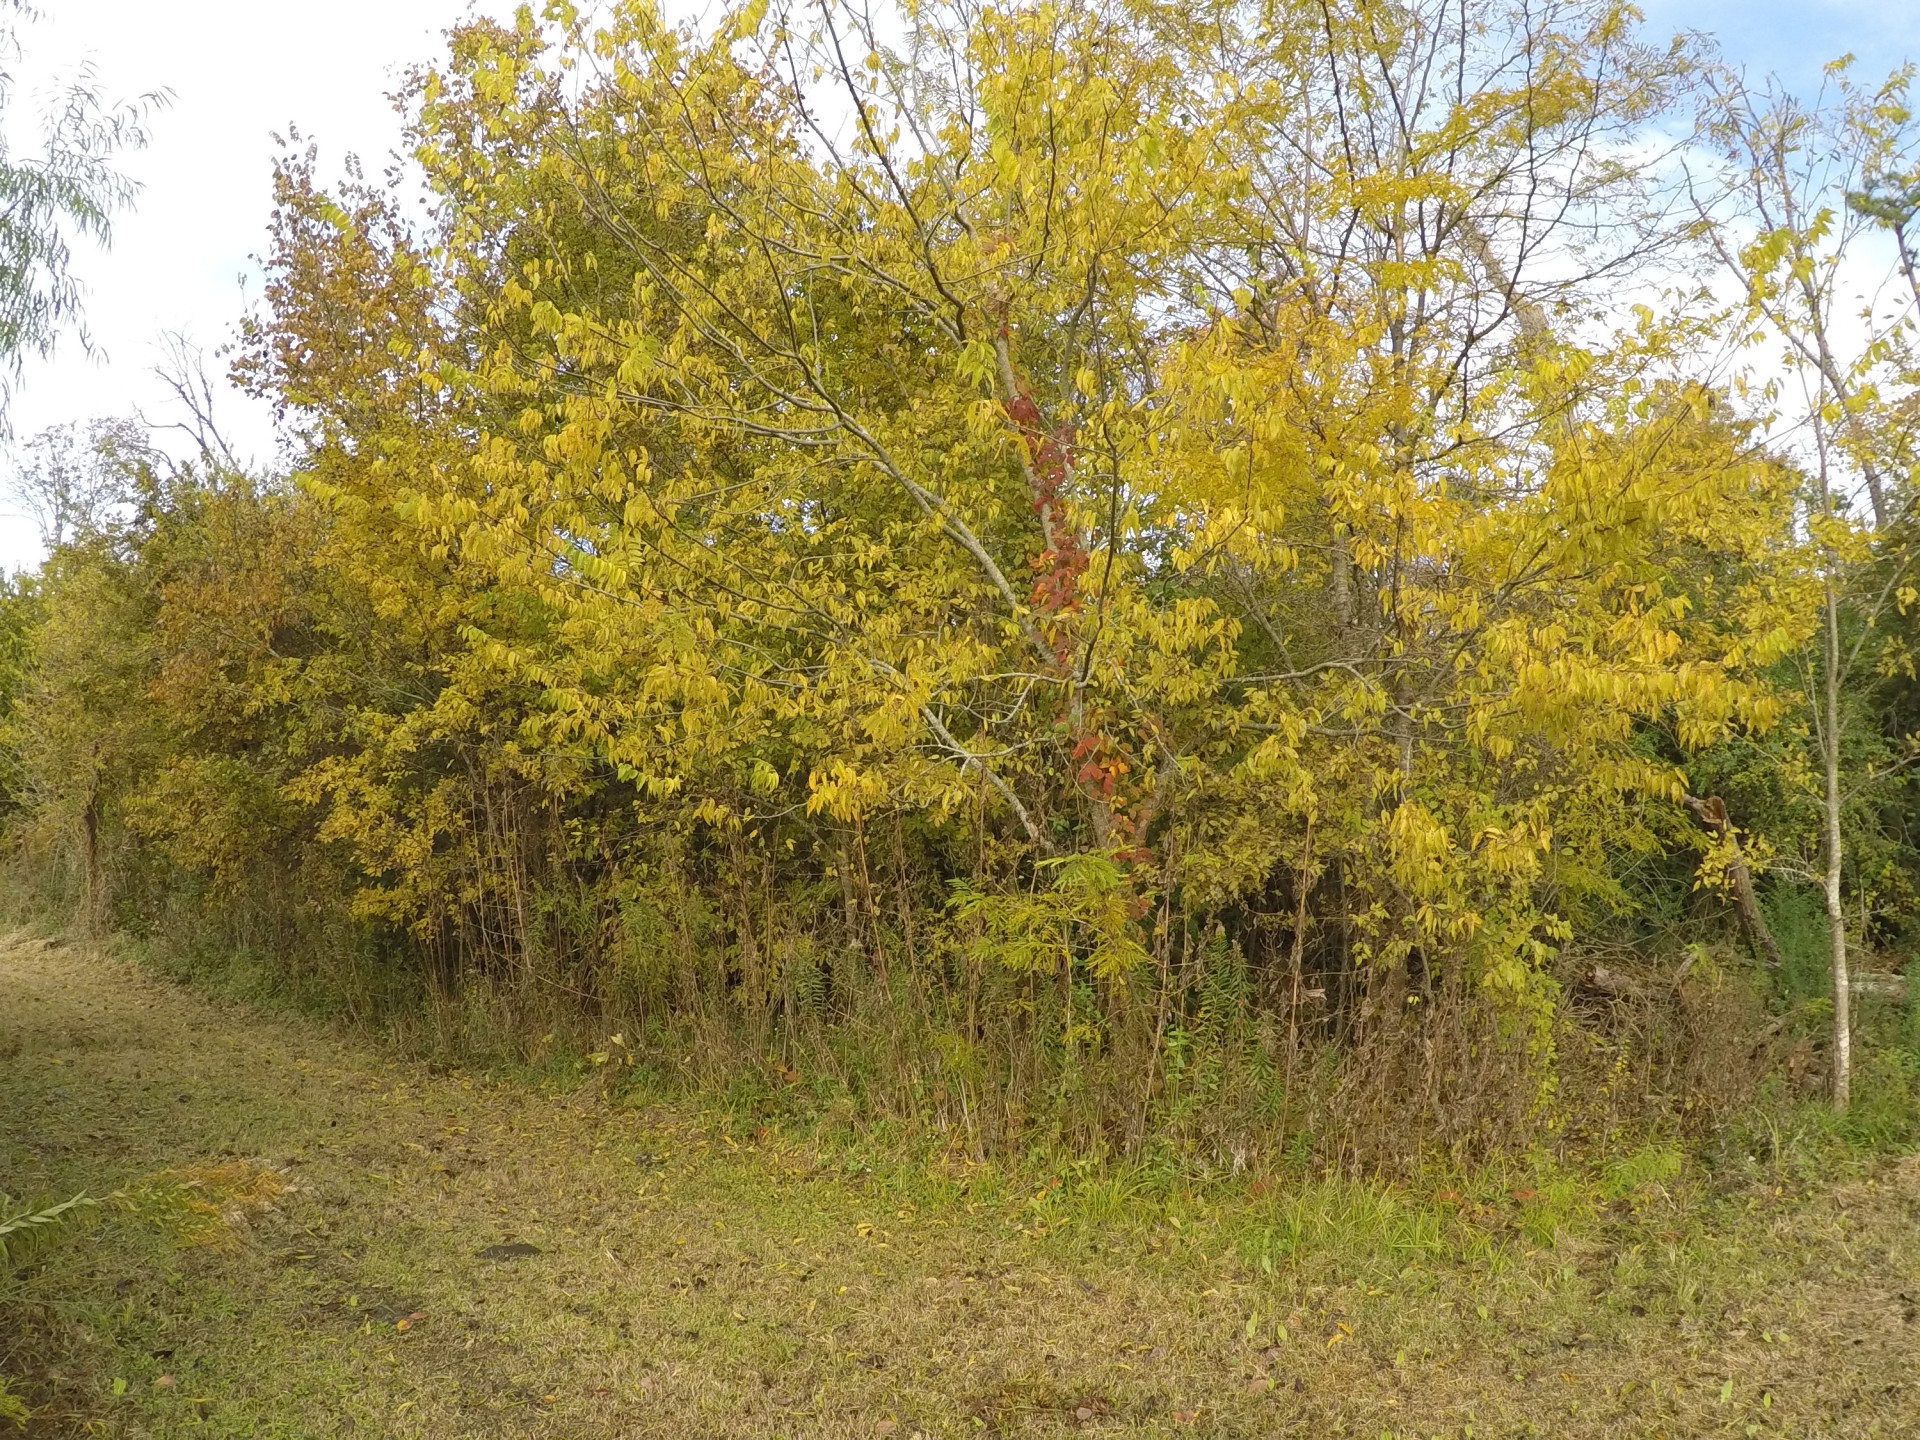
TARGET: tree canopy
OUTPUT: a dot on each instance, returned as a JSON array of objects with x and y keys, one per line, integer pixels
[{"x": 1129, "y": 568}]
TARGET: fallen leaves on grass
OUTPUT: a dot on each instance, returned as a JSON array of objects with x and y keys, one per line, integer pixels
[{"x": 206, "y": 1205}]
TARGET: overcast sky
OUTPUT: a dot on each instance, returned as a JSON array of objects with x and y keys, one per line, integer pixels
[{"x": 241, "y": 70}]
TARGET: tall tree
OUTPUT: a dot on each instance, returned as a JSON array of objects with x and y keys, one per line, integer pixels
[
  {"x": 1808, "y": 192},
  {"x": 69, "y": 185}
]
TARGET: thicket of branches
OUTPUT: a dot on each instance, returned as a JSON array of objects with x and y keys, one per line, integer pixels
[{"x": 1221, "y": 574}]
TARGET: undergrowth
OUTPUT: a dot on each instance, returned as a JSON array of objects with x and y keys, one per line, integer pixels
[
  {"x": 1171, "y": 1280},
  {"x": 883, "y": 1093}
]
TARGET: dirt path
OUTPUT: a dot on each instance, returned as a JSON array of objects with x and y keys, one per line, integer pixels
[{"x": 328, "y": 1242}]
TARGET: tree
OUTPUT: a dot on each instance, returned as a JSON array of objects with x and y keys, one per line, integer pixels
[
  {"x": 76, "y": 484},
  {"x": 1193, "y": 469},
  {"x": 1809, "y": 189},
  {"x": 71, "y": 186},
  {"x": 1112, "y": 553}
]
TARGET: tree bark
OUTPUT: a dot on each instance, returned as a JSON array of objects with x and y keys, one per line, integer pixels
[
  {"x": 1836, "y": 915},
  {"x": 92, "y": 882},
  {"x": 1712, "y": 813}
]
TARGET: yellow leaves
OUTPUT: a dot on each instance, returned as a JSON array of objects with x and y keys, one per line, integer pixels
[
  {"x": 1421, "y": 848},
  {"x": 1513, "y": 853},
  {"x": 206, "y": 1204},
  {"x": 889, "y": 725},
  {"x": 975, "y": 366},
  {"x": 1089, "y": 906},
  {"x": 1088, "y": 470},
  {"x": 764, "y": 779},
  {"x": 844, "y": 791},
  {"x": 750, "y": 16}
]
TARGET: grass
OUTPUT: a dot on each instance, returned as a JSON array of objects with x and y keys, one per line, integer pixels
[{"x": 298, "y": 1230}]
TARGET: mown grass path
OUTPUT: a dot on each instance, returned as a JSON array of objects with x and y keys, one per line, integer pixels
[{"x": 655, "y": 1278}]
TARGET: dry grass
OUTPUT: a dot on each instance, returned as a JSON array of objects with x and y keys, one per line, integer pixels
[{"x": 692, "y": 1283}]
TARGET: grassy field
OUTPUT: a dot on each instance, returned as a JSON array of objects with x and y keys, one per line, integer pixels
[{"x": 316, "y": 1239}]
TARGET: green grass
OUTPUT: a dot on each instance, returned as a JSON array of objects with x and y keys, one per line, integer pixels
[{"x": 298, "y": 1254}]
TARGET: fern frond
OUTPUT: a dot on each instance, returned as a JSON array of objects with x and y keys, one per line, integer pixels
[{"x": 23, "y": 1232}]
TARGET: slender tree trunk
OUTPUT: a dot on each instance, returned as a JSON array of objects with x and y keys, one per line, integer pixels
[
  {"x": 92, "y": 881},
  {"x": 1340, "y": 591},
  {"x": 1712, "y": 813},
  {"x": 1836, "y": 915}
]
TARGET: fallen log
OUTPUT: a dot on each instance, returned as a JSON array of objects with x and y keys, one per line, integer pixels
[{"x": 1887, "y": 987}]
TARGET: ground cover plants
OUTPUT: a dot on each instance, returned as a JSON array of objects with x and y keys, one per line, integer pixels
[{"x": 360, "y": 1243}]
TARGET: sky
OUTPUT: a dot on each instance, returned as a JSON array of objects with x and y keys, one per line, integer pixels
[
  {"x": 1795, "y": 38},
  {"x": 241, "y": 71}
]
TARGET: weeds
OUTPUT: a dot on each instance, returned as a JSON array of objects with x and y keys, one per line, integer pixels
[
  {"x": 27, "y": 1229},
  {"x": 715, "y": 1270},
  {"x": 206, "y": 1204}
]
